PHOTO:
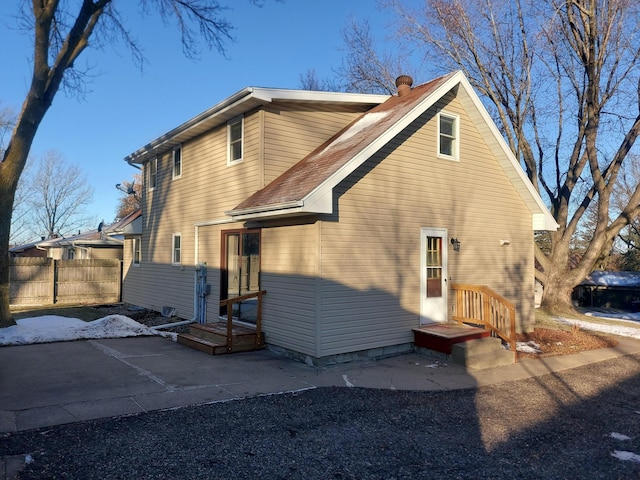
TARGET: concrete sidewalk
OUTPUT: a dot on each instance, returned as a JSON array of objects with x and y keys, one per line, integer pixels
[{"x": 51, "y": 384}]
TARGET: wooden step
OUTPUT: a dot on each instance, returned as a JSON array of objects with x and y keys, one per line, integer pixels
[
  {"x": 202, "y": 344},
  {"x": 211, "y": 338},
  {"x": 442, "y": 336}
]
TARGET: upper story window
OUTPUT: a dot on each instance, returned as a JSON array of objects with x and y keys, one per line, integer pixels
[
  {"x": 448, "y": 136},
  {"x": 177, "y": 162},
  {"x": 153, "y": 174},
  {"x": 176, "y": 249},
  {"x": 235, "y": 134}
]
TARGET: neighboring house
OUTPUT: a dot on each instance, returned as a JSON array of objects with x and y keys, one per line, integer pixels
[
  {"x": 104, "y": 243},
  {"x": 356, "y": 213},
  {"x": 610, "y": 290}
]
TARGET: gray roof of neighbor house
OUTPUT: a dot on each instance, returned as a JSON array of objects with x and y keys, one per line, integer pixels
[
  {"x": 129, "y": 225},
  {"x": 306, "y": 188},
  {"x": 602, "y": 278}
]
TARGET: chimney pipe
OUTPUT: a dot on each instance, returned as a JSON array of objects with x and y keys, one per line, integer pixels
[{"x": 404, "y": 82}]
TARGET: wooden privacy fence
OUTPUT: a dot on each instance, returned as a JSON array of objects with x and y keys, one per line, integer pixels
[
  {"x": 45, "y": 281},
  {"x": 480, "y": 305}
]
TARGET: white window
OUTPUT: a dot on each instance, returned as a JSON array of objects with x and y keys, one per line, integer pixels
[
  {"x": 136, "y": 251},
  {"x": 176, "y": 249},
  {"x": 153, "y": 174},
  {"x": 177, "y": 162},
  {"x": 448, "y": 136},
  {"x": 235, "y": 134}
]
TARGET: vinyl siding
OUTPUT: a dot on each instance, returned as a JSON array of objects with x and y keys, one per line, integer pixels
[
  {"x": 273, "y": 141},
  {"x": 371, "y": 248},
  {"x": 205, "y": 190},
  {"x": 290, "y": 277},
  {"x": 293, "y": 130}
]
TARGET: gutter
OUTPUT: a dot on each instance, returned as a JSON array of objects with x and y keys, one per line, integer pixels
[
  {"x": 238, "y": 214},
  {"x": 162, "y": 140}
]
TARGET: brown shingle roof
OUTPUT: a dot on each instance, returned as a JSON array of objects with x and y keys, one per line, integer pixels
[{"x": 311, "y": 172}]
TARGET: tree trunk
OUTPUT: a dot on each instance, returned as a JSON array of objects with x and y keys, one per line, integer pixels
[
  {"x": 6, "y": 205},
  {"x": 556, "y": 297}
]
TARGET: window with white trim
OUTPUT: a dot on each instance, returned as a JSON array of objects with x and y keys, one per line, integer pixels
[
  {"x": 153, "y": 174},
  {"x": 177, "y": 162},
  {"x": 235, "y": 137},
  {"x": 448, "y": 136},
  {"x": 176, "y": 249},
  {"x": 136, "y": 251}
]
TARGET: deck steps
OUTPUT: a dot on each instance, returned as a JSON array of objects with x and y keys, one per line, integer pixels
[
  {"x": 471, "y": 347},
  {"x": 211, "y": 338}
]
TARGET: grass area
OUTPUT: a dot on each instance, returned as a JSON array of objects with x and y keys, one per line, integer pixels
[
  {"x": 544, "y": 320},
  {"x": 83, "y": 312}
]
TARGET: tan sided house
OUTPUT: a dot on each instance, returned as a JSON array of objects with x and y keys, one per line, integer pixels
[{"x": 361, "y": 217}]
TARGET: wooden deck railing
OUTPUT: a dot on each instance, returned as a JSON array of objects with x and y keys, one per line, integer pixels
[
  {"x": 479, "y": 305},
  {"x": 229, "y": 304}
]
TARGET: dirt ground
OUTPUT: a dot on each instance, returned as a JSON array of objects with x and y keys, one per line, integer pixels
[{"x": 553, "y": 342}]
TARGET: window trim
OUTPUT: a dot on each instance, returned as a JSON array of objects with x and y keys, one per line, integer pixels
[
  {"x": 455, "y": 139},
  {"x": 175, "y": 235},
  {"x": 137, "y": 241},
  {"x": 230, "y": 123},
  {"x": 178, "y": 148},
  {"x": 153, "y": 165}
]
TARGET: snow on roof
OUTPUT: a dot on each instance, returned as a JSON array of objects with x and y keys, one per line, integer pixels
[{"x": 602, "y": 278}]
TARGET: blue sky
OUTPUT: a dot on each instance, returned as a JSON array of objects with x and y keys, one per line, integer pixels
[{"x": 124, "y": 108}]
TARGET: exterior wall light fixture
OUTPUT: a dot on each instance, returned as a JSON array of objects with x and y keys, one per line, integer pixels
[{"x": 456, "y": 244}]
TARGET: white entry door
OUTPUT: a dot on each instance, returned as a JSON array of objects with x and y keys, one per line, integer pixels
[{"x": 433, "y": 275}]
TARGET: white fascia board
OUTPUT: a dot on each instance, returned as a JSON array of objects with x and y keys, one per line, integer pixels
[
  {"x": 283, "y": 95},
  {"x": 234, "y": 104},
  {"x": 542, "y": 218}
]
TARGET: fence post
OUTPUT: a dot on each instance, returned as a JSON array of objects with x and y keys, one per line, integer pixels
[{"x": 52, "y": 275}]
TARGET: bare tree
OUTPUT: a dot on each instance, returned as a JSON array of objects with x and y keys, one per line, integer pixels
[
  {"x": 560, "y": 77},
  {"x": 310, "y": 81},
  {"x": 364, "y": 68},
  {"x": 61, "y": 32},
  {"x": 58, "y": 193},
  {"x": 130, "y": 201}
]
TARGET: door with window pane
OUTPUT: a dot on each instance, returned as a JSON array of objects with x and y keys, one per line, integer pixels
[
  {"x": 241, "y": 271},
  {"x": 433, "y": 275}
]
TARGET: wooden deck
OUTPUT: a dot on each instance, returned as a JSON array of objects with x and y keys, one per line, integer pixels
[{"x": 442, "y": 336}]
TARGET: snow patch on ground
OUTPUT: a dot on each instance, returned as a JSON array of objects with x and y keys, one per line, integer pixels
[
  {"x": 528, "y": 347},
  {"x": 622, "y": 330},
  {"x": 626, "y": 456},
  {"x": 52, "y": 328}
]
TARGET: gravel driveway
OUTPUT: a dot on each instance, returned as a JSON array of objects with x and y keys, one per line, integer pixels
[{"x": 581, "y": 423}]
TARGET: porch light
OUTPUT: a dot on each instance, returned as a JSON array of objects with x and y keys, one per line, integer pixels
[{"x": 456, "y": 244}]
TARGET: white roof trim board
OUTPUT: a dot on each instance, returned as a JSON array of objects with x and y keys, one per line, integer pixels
[{"x": 237, "y": 104}]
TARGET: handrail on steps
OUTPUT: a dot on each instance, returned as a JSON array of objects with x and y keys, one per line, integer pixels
[
  {"x": 229, "y": 304},
  {"x": 480, "y": 305}
]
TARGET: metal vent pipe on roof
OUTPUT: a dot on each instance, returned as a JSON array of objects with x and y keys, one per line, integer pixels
[{"x": 404, "y": 82}]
